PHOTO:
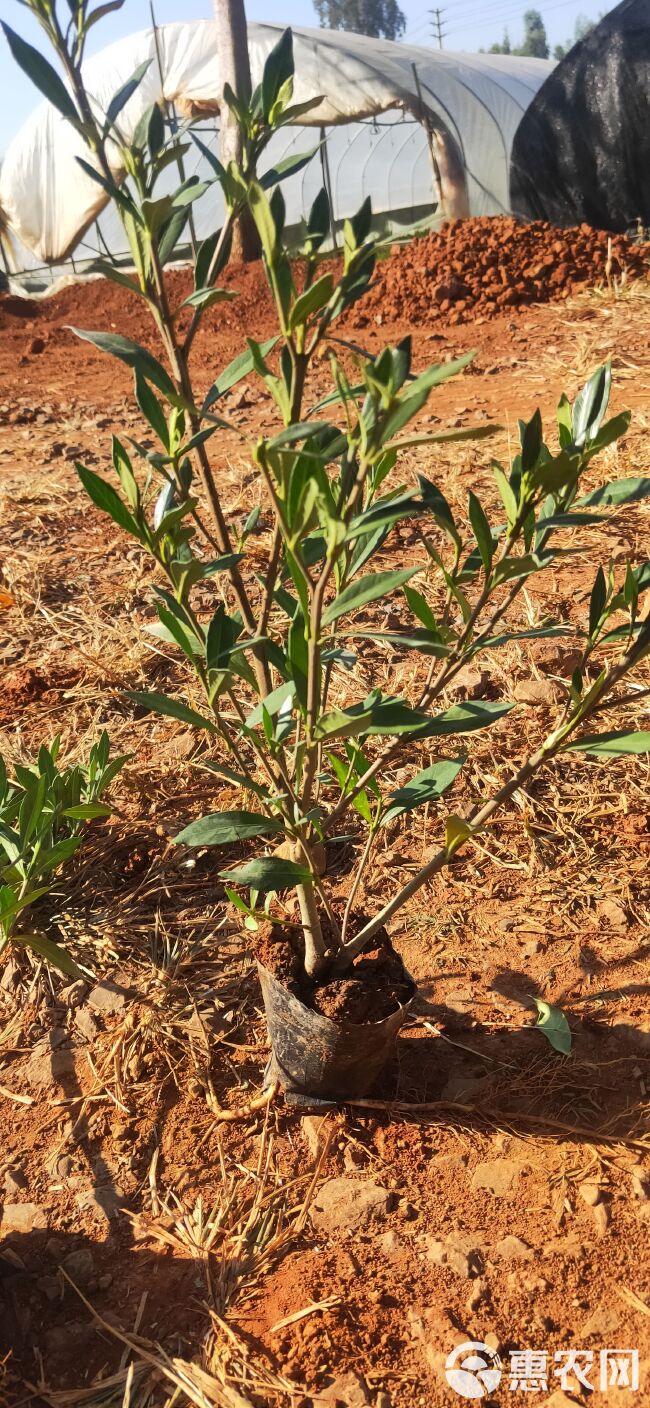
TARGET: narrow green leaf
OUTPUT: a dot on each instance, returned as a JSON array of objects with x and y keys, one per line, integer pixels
[
  {"x": 364, "y": 590},
  {"x": 42, "y": 75},
  {"x": 617, "y": 744},
  {"x": 87, "y": 811},
  {"x": 597, "y": 601},
  {"x": 272, "y": 703},
  {"x": 481, "y": 530},
  {"x": 107, "y": 499},
  {"x": 620, "y": 491},
  {"x": 222, "y": 828},
  {"x": 426, "y": 786},
  {"x": 134, "y": 356},
  {"x": 552, "y": 1022},
  {"x": 269, "y": 873},
  {"x": 236, "y": 370},
  {"x": 51, "y": 952},
  {"x": 162, "y": 704}
]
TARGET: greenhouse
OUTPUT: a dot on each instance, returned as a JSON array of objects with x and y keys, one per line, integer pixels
[{"x": 426, "y": 133}]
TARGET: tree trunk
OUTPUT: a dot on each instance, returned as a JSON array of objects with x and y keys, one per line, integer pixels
[{"x": 235, "y": 69}]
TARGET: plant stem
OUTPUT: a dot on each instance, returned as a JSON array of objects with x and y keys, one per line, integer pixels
[
  {"x": 480, "y": 816},
  {"x": 314, "y": 941}
]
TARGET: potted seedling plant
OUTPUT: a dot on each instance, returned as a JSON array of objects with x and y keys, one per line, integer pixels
[{"x": 274, "y": 667}]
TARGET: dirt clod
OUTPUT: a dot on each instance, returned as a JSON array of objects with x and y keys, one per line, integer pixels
[{"x": 349, "y": 1203}]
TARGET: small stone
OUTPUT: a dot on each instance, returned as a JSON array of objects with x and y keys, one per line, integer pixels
[
  {"x": 102, "y": 1203},
  {"x": 73, "y": 994},
  {"x": 512, "y": 1249},
  {"x": 54, "y": 1247},
  {"x": 640, "y": 1182},
  {"x": 612, "y": 913},
  {"x": 59, "y": 1165},
  {"x": 590, "y": 1193},
  {"x": 103, "y": 1282},
  {"x": 534, "y": 692},
  {"x": 463, "y": 1089},
  {"x": 15, "y": 1182},
  {"x": 347, "y": 1204},
  {"x": 86, "y": 1023},
  {"x": 107, "y": 998},
  {"x": 499, "y": 1176},
  {"x": 478, "y": 1293},
  {"x": 390, "y": 1246},
  {"x": 459, "y": 1251},
  {"x": 469, "y": 683},
  {"x": 312, "y": 1128},
  {"x": 79, "y": 1265},
  {"x": 603, "y": 1323},
  {"x": 50, "y": 1287},
  {"x": 36, "y": 346},
  {"x": 49, "y": 1062},
  {"x": 22, "y": 1217},
  {"x": 348, "y": 1390},
  {"x": 602, "y": 1218}
]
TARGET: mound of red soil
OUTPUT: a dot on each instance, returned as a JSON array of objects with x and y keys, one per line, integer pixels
[
  {"x": 491, "y": 265},
  {"x": 471, "y": 268}
]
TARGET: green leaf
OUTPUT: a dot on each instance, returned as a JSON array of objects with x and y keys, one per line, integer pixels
[
  {"x": 269, "y": 873},
  {"x": 134, "y": 356},
  {"x": 509, "y": 568},
  {"x": 222, "y": 828},
  {"x": 289, "y": 166},
  {"x": 121, "y": 97},
  {"x": 364, "y": 590},
  {"x": 531, "y": 442},
  {"x": 617, "y": 744},
  {"x": 620, "y": 491},
  {"x": 467, "y": 717},
  {"x": 47, "y": 949},
  {"x": 87, "y": 811},
  {"x": 42, "y": 75},
  {"x": 107, "y": 499},
  {"x": 236, "y": 370},
  {"x": 311, "y": 301},
  {"x": 263, "y": 217},
  {"x": 162, "y": 704},
  {"x": 590, "y": 405},
  {"x": 597, "y": 601},
  {"x": 151, "y": 409},
  {"x": 421, "y": 609},
  {"x": 427, "y": 642},
  {"x": 481, "y": 530},
  {"x": 272, "y": 703},
  {"x": 170, "y": 233},
  {"x": 206, "y": 297},
  {"x": 553, "y": 1023},
  {"x": 426, "y": 786},
  {"x": 278, "y": 68}
]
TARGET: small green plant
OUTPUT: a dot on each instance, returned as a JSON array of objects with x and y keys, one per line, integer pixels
[
  {"x": 43, "y": 813},
  {"x": 266, "y": 663}
]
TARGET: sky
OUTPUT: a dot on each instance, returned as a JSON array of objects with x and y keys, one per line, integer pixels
[{"x": 469, "y": 25}]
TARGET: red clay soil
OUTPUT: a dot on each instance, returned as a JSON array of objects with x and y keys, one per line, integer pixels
[
  {"x": 375, "y": 986},
  {"x": 484, "y": 266},
  {"x": 487, "y": 266}
]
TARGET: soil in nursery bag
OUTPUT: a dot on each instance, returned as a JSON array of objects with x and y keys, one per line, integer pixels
[{"x": 375, "y": 986}]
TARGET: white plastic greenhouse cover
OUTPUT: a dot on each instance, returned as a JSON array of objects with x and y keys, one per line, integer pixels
[{"x": 478, "y": 99}]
